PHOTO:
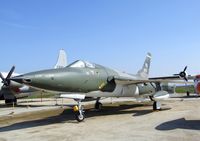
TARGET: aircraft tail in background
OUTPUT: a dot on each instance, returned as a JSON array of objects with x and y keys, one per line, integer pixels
[
  {"x": 62, "y": 60},
  {"x": 144, "y": 72}
]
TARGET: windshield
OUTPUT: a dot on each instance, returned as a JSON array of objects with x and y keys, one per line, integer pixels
[{"x": 81, "y": 64}]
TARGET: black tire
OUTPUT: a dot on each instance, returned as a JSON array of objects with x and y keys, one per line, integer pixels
[
  {"x": 15, "y": 101},
  {"x": 188, "y": 94},
  {"x": 98, "y": 106},
  {"x": 79, "y": 117},
  {"x": 155, "y": 106},
  {"x": 11, "y": 101}
]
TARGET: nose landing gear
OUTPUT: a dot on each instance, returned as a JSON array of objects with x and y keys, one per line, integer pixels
[{"x": 79, "y": 112}]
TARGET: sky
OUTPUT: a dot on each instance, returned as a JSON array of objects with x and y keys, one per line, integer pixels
[{"x": 114, "y": 33}]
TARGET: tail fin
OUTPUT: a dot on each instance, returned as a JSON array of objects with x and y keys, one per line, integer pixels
[
  {"x": 144, "y": 72},
  {"x": 62, "y": 60}
]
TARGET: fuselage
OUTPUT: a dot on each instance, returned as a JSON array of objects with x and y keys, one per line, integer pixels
[
  {"x": 83, "y": 77},
  {"x": 69, "y": 79}
]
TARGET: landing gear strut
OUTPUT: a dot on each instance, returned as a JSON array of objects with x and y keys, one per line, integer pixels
[
  {"x": 98, "y": 105},
  {"x": 79, "y": 113}
]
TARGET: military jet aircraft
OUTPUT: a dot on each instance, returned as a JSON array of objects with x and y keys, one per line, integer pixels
[
  {"x": 11, "y": 91},
  {"x": 83, "y": 79}
]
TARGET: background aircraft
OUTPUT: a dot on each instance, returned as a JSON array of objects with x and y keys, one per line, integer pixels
[
  {"x": 197, "y": 84},
  {"x": 62, "y": 60},
  {"x": 82, "y": 79},
  {"x": 10, "y": 91}
]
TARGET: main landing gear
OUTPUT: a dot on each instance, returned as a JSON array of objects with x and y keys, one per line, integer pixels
[
  {"x": 156, "y": 106},
  {"x": 98, "y": 105},
  {"x": 11, "y": 101},
  {"x": 188, "y": 93},
  {"x": 79, "y": 112}
]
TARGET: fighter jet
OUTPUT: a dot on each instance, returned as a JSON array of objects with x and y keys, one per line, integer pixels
[
  {"x": 83, "y": 79},
  {"x": 11, "y": 91}
]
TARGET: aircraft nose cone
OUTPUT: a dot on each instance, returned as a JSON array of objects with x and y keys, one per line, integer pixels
[{"x": 21, "y": 79}]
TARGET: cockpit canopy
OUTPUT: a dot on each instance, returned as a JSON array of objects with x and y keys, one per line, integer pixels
[{"x": 81, "y": 64}]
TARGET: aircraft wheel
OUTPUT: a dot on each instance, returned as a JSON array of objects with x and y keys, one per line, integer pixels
[
  {"x": 188, "y": 93},
  {"x": 79, "y": 117},
  {"x": 79, "y": 113},
  {"x": 98, "y": 106},
  {"x": 7, "y": 102},
  {"x": 156, "y": 106},
  {"x": 11, "y": 101}
]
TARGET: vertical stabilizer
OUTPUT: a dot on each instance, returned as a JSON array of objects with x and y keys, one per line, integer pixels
[
  {"x": 62, "y": 60},
  {"x": 144, "y": 72}
]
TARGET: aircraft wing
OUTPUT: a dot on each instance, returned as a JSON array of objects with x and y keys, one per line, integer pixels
[
  {"x": 129, "y": 81},
  {"x": 172, "y": 78}
]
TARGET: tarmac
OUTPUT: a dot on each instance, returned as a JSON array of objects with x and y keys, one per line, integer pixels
[{"x": 121, "y": 119}]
